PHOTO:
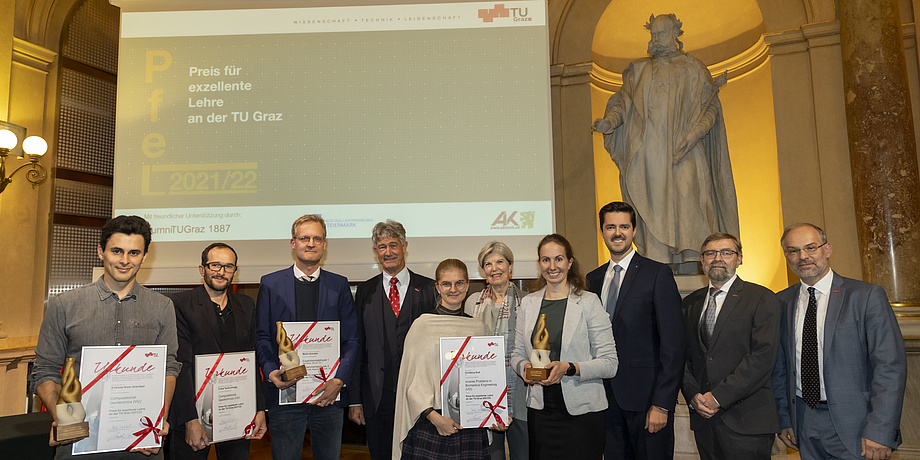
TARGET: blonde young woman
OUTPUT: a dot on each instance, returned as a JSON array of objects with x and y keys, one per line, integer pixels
[
  {"x": 565, "y": 417},
  {"x": 420, "y": 431},
  {"x": 496, "y": 306}
]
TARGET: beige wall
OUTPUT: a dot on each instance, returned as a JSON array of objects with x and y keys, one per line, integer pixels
[{"x": 28, "y": 95}]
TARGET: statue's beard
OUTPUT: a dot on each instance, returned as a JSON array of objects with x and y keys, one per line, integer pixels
[{"x": 662, "y": 50}]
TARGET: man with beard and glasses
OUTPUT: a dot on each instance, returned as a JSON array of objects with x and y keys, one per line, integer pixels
[
  {"x": 841, "y": 373},
  {"x": 667, "y": 119},
  {"x": 732, "y": 340},
  {"x": 641, "y": 298},
  {"x": 210, "y": 319}
]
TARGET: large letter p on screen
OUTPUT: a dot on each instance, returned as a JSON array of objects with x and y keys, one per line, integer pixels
[{"x": 156, "y": 65}]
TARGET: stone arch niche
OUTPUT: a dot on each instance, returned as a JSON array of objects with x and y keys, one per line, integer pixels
[{"x": 728, "y": 36}]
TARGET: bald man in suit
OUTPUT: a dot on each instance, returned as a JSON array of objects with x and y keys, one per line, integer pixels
[{"x": 839, "y": 381}]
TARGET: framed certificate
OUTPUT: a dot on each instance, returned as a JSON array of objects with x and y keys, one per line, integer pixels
[
  {"x": 123, "y": 390},
  {"x": 318, "y": 346},
  {"x": 473, "y": 384},
  {"x": 225, "y": 394}
]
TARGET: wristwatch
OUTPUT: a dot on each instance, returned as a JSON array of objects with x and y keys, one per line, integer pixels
[{"x": 571, "y": 370}]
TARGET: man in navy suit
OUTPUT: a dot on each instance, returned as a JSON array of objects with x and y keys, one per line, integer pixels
[
  {"x": 840, "y": 377},
  {"x": 304, "y": 292},
  {"x": 210, "y": 319},
  {"x": 641, "y": 297},
  {"x": 387, "y": 304}
]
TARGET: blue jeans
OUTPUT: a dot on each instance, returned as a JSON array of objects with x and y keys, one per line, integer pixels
[{"x": 287, "y": 425}]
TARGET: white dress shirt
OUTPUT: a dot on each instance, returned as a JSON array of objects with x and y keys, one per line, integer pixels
[
  {"x": 402, "y": 284},
  {"x": 720, "y": 299},
  {"x": 608, "y": 278},
  {"x": 822, "y": 293},
  {"x": 304, "y": 276}
]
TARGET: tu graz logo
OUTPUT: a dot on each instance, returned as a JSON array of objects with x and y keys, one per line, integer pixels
[
  {"x": 500, "y": 11},
  {"x": 513, "y": 220}
]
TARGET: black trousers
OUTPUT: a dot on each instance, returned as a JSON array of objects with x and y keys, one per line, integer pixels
[
  {"x": 716, "y": 441},
  {"x": 237, "y": 449},
  {"x": 379, "y": 428},
  {"x": 627, "y": 438},
  {"x": 554, "y": 435}
]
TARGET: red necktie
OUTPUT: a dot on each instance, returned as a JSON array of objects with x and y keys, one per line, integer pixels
[{"x": 394, "y": 296}]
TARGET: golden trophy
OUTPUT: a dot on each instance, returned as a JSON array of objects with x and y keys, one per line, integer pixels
[
  {"x": 290, "y": 362},
  {"x": 69, "y": 410},
  {"x": 539, "y": 356}
]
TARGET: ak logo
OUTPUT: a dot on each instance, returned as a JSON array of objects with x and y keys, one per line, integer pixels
[{"x": 513, "y": 220}]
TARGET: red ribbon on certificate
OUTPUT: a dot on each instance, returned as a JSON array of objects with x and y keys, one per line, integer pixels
[
  {"x": 305, "y": 334},
  {"x": 207, "y": 378},
  {"x": 454, "y": 361},
  {"x": 324, "y": 377},
  {"x": 107, "y": 369},
  {"x": 252, "y": 424},
  {"x": 492, "y": 409},
  {"x": 148, "y": 428}
]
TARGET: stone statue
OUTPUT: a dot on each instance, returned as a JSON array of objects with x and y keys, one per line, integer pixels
[{"x": 664, "y": 130}]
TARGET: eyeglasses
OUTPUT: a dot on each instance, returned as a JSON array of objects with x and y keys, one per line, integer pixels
[
  {"x": 217, "y": 266},
  {"x": 809, "y": 250},
  {"x": 726, "y": 254},
  {"x": 446, "y": 285},
  {"x": 316, "y": 239}
]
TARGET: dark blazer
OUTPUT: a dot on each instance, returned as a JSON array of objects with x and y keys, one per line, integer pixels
[
  {"x": 276, "y": 303},
  {"x": 370, "y": 301},
  {"x": 865, "y": 367},
  {"x": 197, "y": 329},
  {"x": 738, "y": 364},
  {"x": 649, "y": 333}
]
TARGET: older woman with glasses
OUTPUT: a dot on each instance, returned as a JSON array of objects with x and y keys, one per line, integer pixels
[
  {"x": 565, "y": 416},
  {"x": 496, "y": 306},
  {"x": 420, "y": 430}
]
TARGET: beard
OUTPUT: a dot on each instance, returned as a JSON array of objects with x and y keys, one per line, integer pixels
[
  {"x": 662, "y": 50},
  {"x": 718, "y": 274}
]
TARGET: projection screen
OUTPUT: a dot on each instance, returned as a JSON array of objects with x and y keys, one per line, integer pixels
[{"x": 235, "y": 118}]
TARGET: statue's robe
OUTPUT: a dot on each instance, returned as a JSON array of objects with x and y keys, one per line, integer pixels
[{"x": 678, "y": 206}]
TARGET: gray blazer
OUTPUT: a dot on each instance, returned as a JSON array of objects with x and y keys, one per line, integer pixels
[
  {"x": 865, "y": 367},
  {"x": 587, "y": 339}
]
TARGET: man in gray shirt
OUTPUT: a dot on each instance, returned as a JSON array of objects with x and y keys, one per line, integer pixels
[{"x": 113, "y": 311}]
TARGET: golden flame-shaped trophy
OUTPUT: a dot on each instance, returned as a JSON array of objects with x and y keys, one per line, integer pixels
[
  {"x": 70, "y": 412},
  {"x": 539, "y": 357},
  {"x": 288, "y": 356}
]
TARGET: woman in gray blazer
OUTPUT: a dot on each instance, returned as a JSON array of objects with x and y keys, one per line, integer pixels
[{"x": 565, "y": 411}]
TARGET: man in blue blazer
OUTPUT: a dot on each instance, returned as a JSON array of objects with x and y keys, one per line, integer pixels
[
  {"x": 641, "y": 297},
  {"x": 304, "y": 292},
  {"x": 839, "y": 380}
]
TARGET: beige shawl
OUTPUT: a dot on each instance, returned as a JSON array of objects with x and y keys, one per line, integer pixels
[{"x": 419, "y": 384}]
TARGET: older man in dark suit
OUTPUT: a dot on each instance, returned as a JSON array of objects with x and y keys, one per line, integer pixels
[
  {"x": 732, "y": 339},
  {"x": 387, "y": 304},
  {"x": 641, "y": 297},
  {"x": 210, "y": 319},
  {"x": 839, "y": 381}
]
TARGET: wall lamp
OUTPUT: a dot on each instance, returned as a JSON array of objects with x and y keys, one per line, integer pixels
[{"x": 33, "y": 147}]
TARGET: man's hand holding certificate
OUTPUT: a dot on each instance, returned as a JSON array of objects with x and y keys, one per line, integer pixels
[
  {"x": 226, "y": 394},
  {"x": 317, "y": 345},
  {"x": 123, "y": 394}
]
